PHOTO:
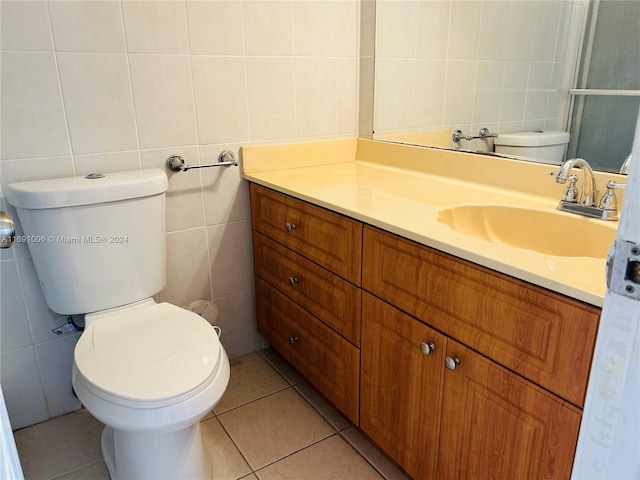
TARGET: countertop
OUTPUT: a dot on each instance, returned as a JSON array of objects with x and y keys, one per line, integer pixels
[{"x": 402, "y": 189}]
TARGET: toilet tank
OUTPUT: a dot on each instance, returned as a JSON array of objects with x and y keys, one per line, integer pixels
[
  {"x": 97, "y": 242},
  {"x": 538, "y": 146}
]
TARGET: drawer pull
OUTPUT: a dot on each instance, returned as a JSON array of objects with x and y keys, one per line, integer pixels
[
  {"x": 427, "y": 347},
  {"x": 452, "y": 363},
  {"x": 293, "y": 339},
  {"x": 293, "y": 281},
  {"x": 290, "y": 226}
]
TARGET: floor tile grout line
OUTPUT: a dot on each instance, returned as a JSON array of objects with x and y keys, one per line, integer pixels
[
  {"x": 252, "y": 401},
  {"x": 277, "y": 370},
  {"x": 338, "y": 431},
  {"x": 364, "y": 457},
  {"x": 293, "y": 453},
  {"x": 335, "y": 431},
  {"x": 64, "y": 474},
  {"x": 361, "y": 455},
  {"x": 237, "y": 448}
]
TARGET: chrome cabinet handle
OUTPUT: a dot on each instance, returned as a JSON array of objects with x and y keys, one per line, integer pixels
[
  {"x": 293, "y": 281},
  {"x": 427, "y": 347},
  {"x": 293, "y": 339},
  {"x": 451, "y": 363},
  {"x": 290, "y": 226}
]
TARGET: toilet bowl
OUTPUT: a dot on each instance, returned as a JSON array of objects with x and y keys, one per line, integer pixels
[
  {"x": 149, "y": 371},
  {"x": 169, "y": 371}
]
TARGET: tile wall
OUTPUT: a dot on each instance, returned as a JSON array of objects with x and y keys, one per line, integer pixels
[
  {"x": 502, "y": 64},
  {"x": 116, "y": 85}
]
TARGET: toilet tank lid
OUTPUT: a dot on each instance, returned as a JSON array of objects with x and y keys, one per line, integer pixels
[
  {"x": 537, "y": 138},
  {"x": 87, "y": 190}
]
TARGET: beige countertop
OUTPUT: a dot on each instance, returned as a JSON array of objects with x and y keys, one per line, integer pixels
[{"x": 403, "y": 189}]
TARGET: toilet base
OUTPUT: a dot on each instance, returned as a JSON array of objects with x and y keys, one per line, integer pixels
[{"x": 158, "y": 455}]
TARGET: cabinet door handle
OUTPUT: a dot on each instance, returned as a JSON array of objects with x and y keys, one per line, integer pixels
[
  {"x": 293, "y": 339},
  {"x": 451, "y": 363},
  {"x": 290, "y": 226},
  {"x": 293, "y": 281},
  {"x": 427, "y": 347}
]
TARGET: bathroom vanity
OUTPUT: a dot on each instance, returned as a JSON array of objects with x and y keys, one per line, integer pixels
[{"x": 456, "y": 361}]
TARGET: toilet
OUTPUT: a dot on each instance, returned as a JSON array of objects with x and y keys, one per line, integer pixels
[
  {"x": 537, "y": 146},
  {"x": 149, "y": 371}
]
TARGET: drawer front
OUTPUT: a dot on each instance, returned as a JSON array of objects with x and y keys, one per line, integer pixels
[
  {"x": 327, "y": 360},
  {"x": 327, "y": 296},
  {"x": 324, "y": 237},
  {"x": 544, "y": 336}
]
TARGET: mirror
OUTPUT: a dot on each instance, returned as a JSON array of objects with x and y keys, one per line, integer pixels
[{"x": 508, "y": 66}]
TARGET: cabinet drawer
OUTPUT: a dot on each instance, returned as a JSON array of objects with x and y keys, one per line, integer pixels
[
  {"x": 327, "y": 296},
  {"x": 324, "y": 237},
  {"x": 544, "y": 336},
  {"x": 327, "y": 360}
]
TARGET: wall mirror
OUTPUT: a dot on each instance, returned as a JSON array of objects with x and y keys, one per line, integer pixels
[{"x": 509, "y": 66}]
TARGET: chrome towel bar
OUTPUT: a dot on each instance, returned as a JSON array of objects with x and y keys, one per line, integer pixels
[
  {"x": 457, "y": 135},
  {"x": 176, "y": 163}
]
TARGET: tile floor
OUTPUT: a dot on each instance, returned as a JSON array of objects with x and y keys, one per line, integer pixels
[{"x": 270, "y": 425}]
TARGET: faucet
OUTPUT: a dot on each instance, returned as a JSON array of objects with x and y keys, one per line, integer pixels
[
  {"x": 589, "y": 191},
  {"x": 584, "y": 202}
]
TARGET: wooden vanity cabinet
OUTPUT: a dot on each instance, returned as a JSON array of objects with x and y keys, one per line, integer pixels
[
  {"x": 372, "y": 319},
  {"x": 307, "y": 262}
]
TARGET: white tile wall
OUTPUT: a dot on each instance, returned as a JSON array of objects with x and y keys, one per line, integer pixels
[
  {"x": 121, "y": 85},
  {"x": 507, "y": 64}
]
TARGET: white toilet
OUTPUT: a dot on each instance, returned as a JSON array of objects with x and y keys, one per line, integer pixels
[
  {"x": 148, "y": 371},
  {"x": 538, "y": 146}
]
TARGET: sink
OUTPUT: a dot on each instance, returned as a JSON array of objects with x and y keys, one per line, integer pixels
[{"x": 549, "y": 232}]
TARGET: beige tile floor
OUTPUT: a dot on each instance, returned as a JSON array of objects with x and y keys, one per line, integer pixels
[{"x": 270, "y": 425}]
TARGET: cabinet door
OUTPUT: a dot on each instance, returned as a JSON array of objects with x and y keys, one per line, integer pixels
[
  {"x": 401, "y": 387},
  {"x": 498, "y": 425}
]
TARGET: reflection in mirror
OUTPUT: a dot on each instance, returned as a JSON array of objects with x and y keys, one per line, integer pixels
[
  {"x": 602, "y": 127},
  {"x": 507, "y": 66}
]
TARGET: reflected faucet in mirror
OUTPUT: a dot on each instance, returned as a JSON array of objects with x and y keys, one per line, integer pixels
[{"x": 624, "y": 169}]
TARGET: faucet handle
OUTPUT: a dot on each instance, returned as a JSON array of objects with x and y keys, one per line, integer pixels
[
  {"x": 613, "y": 184},
  {"x": 609, "y": 201},
  {"x": 571, "y": 192}
]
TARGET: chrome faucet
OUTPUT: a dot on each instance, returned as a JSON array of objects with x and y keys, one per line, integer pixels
[
  {"x": 583, "y": 202},
  {"x": 587, "y": 195}
]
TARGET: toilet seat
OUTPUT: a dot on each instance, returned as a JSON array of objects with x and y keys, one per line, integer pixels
[{"x": 149, "y": 356}]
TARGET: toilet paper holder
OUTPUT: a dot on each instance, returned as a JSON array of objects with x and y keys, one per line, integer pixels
[{"x": 176, "y": 163}]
